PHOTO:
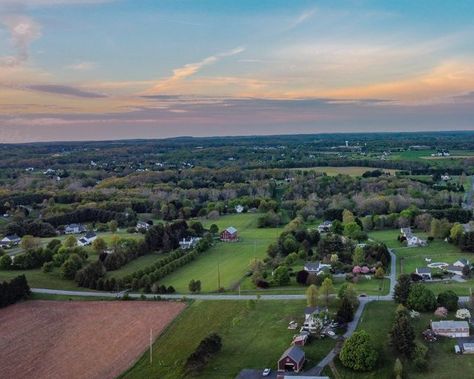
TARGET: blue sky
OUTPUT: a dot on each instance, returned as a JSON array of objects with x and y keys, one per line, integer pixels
[{"x": 106, "y": 69}]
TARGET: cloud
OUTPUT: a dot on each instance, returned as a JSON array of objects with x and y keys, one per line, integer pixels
[
  {"x": 64, "y": 90},
  {"x": 306, "y": 15},
  {"x": 82, "y": 66},
  {"x": 190, "y": 69},
  {"x": 23, "y": 31},
  {"x": 39, "y": 3}
]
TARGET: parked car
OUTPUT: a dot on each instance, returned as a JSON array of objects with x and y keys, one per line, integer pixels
[{"x": 266, "y": 372}]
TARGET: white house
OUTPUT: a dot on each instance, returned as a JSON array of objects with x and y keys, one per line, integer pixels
[
  {"x": 239, "y": 208},
  {"x": 406, "y": 232},
  {"x": 424, "y": 272},
  {"x": 142, "y": 225},
  {"x": 186, "y": 244},
  {"x": 456, "y": 270},
  {"x": 462, "y": 262},
  {"x": 10, "y": 240},
  {"x": 325, "y": 227},
  {"x": 74, "y": 229},
  {"x": 415, "y": 241},
  {"x": 87, "y": 239},
  {"x": 316, "y": 267}
]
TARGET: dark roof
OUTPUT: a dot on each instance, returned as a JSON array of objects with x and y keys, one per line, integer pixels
[
  {"x": 90, "y": 235},
  {"x": 294, "y": 353},
  {"x": 454, "y": 268},
  {"x": 464, "y": 340},
  {"x": 310, "y": 310},
  {"x": 423, "y": 270},
  {"x": 12, "y": 237},
  {"x": 312, "y": 266}
]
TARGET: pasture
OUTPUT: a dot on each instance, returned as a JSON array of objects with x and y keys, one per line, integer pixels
[
  {"x": 225, "y": 263},
  {"x": 253, "y": 336},
  {"x": 78, "y": 339},
  {"x": 350, "y": 170}
]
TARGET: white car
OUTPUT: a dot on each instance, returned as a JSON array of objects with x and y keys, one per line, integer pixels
[{"x": 266, "y": 372}]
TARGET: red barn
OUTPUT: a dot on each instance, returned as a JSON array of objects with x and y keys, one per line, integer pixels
[
  {"x": 291, "y": 360},
  {"x": 229, "y": 235}
]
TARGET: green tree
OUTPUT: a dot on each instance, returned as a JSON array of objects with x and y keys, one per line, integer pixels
[
  {"x": 327, "y": 289},
  {"x": 113, "y": 225},
  {"x": 345, "y": 313},
  {"x": 402, "y": 335},
  {"x": 358, "y": 352},
  {"x": 456, "y": 232},
  {"x": 379, "y": 273},
  {"x": 194, "y": 286},
  {"x": 402, "y": 289},
  {"x": 348, "y": 291},
  {"x": 337, "y": 227},
  {"x": 398, "y": 369},
  {"x": 70, "y": 241},
  {"x": 449, "y": 300},
  {"x": 99, "y": 245},
  {"x": 421, "y": 299},
  {"x": 281, "y": 276},
  {"x": 214, "y": 229},
  {"x": 312, "y": 296},
  {"x": 347, "y": 217},
  {"x": 358, "y": 259},
  {"x": 71, "y": 266},
  {"x": 30, "y": 243},
  {"x": 5, "y": 262}
]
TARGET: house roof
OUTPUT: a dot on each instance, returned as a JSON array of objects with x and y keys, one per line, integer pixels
[
  {"x": 310, "y": 310},
  {"x": 231, "y": 230},
  {"x": 83, "y": 240},
  {"x": 464, "y": 261},
  {"x": 450, "y": 324},
  {"x": 12, "y": 237},
  {"x": 462, "y": 341},
  {"x": 423, "y": 270},
  {"x": 454, "y": 268},
  {"x": 294, "y": 353},
  {"x": 90, "y": 235},
  {"x": 312, "y": 266}
]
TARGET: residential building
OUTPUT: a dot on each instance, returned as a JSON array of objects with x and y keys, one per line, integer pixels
[
  {"x": 415, "y": 241},
  {"x": 406, "y": 232},
  {"x": 456, "y": 270},
  {"x": 462, "y": 262},
  {"x": 424, "y": 272},
  {"x": 74, "y": 229},
  {"x": 316, "y": 267},
  {"x": 239, "y": 208},
  {"x": 466, "y": 345},
  {"x": 142, "y": 225},
  {"x": 87, "y": 239},
  {"x": 186, "y": 243},
  {"x": 449, "y": 328},
  {"x": 10, "y": 240},
  {"x": 325, "y": 227}
]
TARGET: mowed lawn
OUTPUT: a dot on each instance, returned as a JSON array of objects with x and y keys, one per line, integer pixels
[
  {"x": 229, "y": 261},
  {"x": 409, "y": 258},
  {"x": 377, "y": 320},
  {"x": 251, "y": 338},
  {"x": 351, "y": 170}
]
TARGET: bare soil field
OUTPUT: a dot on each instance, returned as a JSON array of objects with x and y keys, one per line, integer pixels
[{"x": 78, "y": 339}]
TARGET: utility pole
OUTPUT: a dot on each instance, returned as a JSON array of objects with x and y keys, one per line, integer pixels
[
  {"x": 218, "y": 276},
  {"x": 151, "y": 346}
]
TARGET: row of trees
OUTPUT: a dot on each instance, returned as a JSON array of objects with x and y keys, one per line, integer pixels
[{"x": 13, "y": 291}]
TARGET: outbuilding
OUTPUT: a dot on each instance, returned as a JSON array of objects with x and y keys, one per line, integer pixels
[
  {"x": 230, "y": 235},
  {"x": 291, "y": 360},
  {"x": 450, "y": 328}
]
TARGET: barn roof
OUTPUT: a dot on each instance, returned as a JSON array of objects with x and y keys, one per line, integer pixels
[
  {"x": 231, "y": 230},
  {"x": 294, "y": 352}
]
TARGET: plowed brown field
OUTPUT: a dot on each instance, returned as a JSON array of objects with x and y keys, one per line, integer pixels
[{"x": 78, "y": 339}]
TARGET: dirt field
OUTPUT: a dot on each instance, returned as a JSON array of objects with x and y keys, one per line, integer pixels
[{"x": 78, "y": 339}]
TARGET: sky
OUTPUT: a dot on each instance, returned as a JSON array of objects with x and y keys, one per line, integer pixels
[{"x": 117, "y": 69}]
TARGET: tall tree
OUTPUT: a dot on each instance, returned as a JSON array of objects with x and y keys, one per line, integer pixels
[
  {"x": 402, "y": 289},
  {"x": 312, "y": 296},
  {"x": 402, "y": 335},
  {"x": 327, "y": 289}
]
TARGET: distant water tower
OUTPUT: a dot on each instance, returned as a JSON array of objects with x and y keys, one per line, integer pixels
[{"x": 347, "y": 143}]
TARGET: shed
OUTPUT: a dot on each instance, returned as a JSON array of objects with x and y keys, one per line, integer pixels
[
  {"x": 450, "y": 328},
  {"x": 291, "y": 360},
  {"x": 466, "y": 345}
]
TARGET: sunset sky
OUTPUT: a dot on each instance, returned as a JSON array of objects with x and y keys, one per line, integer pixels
[{"x": 113, "y": 69}]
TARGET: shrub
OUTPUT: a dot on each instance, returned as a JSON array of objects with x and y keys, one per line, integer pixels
[{"x": 358, "y": 353}]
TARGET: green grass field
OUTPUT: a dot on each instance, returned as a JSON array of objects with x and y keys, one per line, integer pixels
[
  {"x": 229, "y": 261},
  {"x": 443, "y": 362},
  {"x": 252, "y": 338},
  {"x": 351, "y": 170},
  {"x": 135, "y": 265},
  {"x": 409, "y": 258}
]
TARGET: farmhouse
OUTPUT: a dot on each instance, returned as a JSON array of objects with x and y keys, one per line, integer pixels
[
  {"x": 415, "y": 241},
  {"x": 461, "y": 262},
  {"x": 239, "y": 208},
  {"x": 87, "y": 239},
  {"x": 142, "y": 225},
  {"x": 316, "y": 267},
  {"x": 450, "y": 328},
  {"x": 186, "y": 244},
  {"x": 74, "y": 229},
  {"x": 291, "y": 360},
  {"x": 406, "y": 232},
  {"x": 229, "y": 235},
  {"x": 456, "y": 270},
  {"x": 325, "y": 227},
  {"x": 466, "y": 345},
  {"x": 10, "y": 240},
  {"x": 424, "y": 272}
]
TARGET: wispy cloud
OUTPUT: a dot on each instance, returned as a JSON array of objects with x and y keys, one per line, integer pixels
[
  {"x": 304, "y": 16},
  {"x": 82, "y": 66},
  {"x": 190, "y": 69},
  {"x": 64, "y": 90},
  {"x": 23, "y": 31}
]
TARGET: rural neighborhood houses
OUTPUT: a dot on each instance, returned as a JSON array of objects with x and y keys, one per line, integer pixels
[
  {"x": 412, "y": 240},
  {"x": 186, "y": 243},
  {"x": 10, "y": 241},
  {"x": 229, "y": 235},
  {"x": 316, "y": 267}
]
